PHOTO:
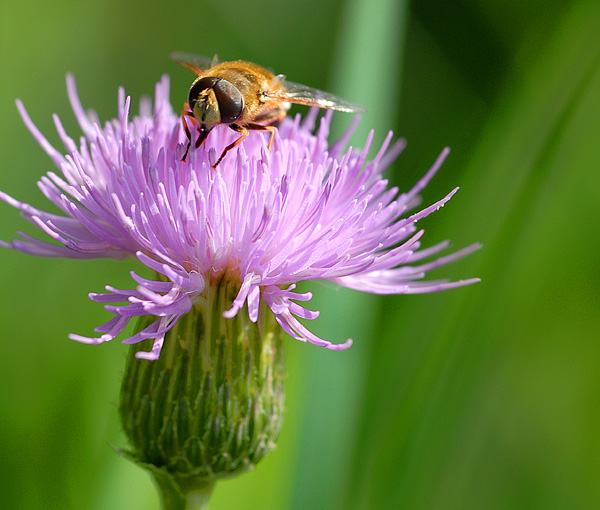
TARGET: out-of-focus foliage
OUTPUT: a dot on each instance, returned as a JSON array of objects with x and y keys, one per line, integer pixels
[{"x": 481, "y": 397}]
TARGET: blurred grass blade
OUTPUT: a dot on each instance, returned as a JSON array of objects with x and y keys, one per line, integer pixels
[
  {"x": 368, "y": 72},
  {"x": 464, "y": 406},
  {"x": 368, "y": 63}
]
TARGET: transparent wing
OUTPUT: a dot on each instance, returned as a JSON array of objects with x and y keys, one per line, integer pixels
[
  {"x": 195, "y": 63},
  {"x": 301, "y": 94}
]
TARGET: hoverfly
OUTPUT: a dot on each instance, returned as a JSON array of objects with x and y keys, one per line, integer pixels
[{"x": 245, "y": 96}]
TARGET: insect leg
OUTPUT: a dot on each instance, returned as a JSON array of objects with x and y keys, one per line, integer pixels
[
  {"x": 239, "y": 129},
  {"x": 259, "y": 127},
  {"x": 186, "y": 113}
]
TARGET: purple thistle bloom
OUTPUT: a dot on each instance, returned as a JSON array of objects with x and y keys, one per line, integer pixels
[{"x": 269, "y": 219}]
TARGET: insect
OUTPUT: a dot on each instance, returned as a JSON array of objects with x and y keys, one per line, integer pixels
[{"x": 245, "y": 96}]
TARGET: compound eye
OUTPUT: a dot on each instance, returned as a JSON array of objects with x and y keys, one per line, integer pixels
[
  {"x": 199, "y": 86},
  {"x": 231, "y": 101}
]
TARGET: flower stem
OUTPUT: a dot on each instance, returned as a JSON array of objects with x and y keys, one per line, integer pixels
[{"x": 173, "y": 499}]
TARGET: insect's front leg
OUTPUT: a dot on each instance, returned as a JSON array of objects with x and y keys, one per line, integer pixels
[
  {"x": 239, "y": 129},
  {"x": 186, "y": 114}
]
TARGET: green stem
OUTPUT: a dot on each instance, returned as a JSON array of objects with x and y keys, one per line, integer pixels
[{"x": 173, "y": 499}]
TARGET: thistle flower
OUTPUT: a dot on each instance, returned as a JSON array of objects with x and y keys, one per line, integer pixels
[
  {"x": 269, "y": 219},
  {"x": 228, "y": 246}
]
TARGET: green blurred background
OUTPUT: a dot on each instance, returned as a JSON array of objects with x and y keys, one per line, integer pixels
[{"x": 482, "y": 397}]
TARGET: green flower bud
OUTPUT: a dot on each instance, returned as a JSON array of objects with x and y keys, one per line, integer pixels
[{"x": 212, "y": 405}]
